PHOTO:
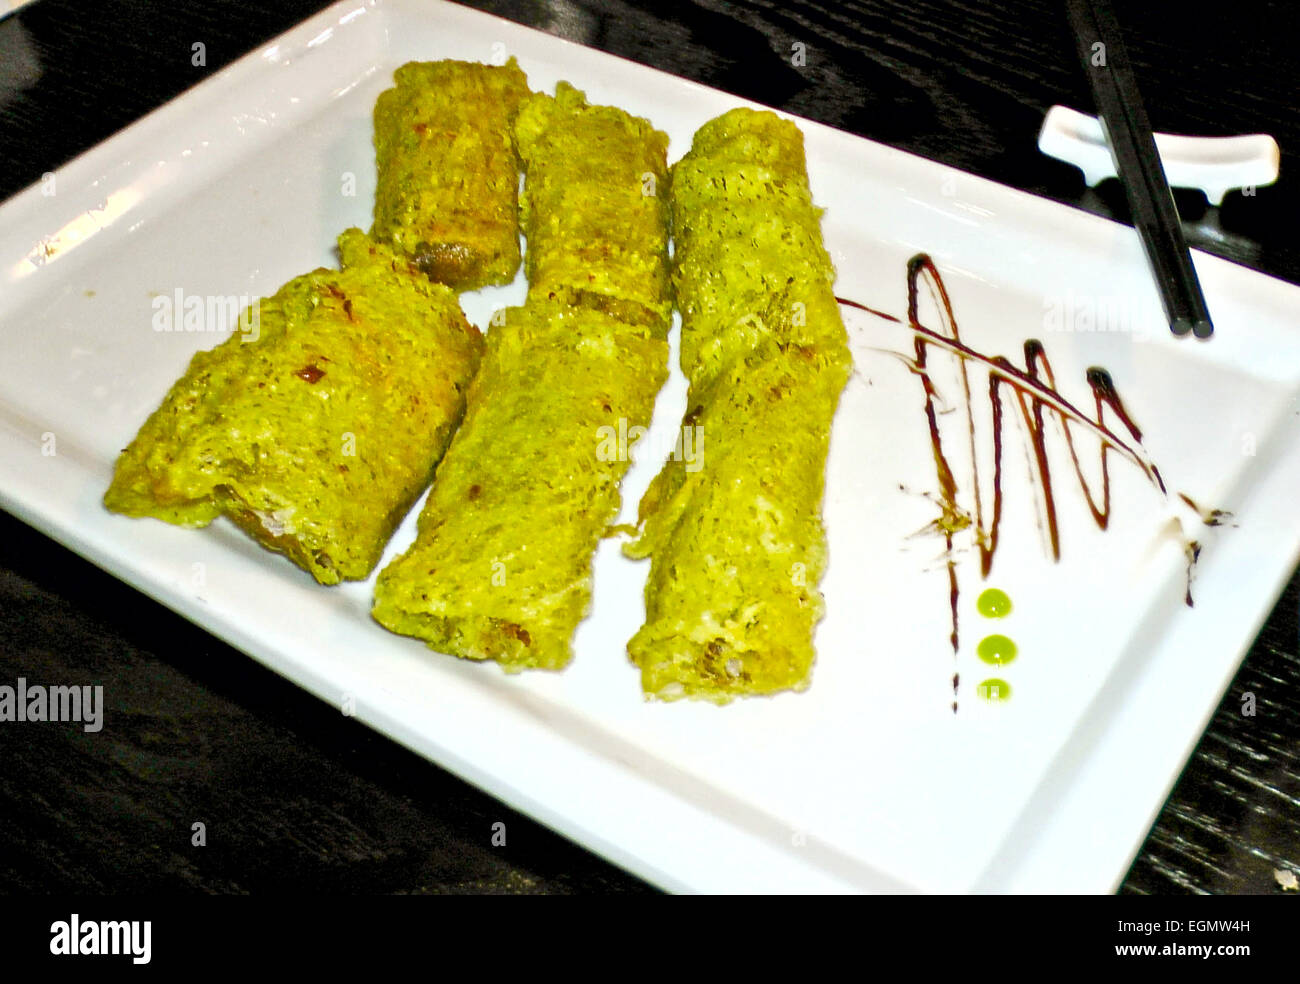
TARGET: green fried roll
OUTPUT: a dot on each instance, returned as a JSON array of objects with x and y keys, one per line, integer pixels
[
  {"x": 501, "y": 566},
  {"x": 448, "y": 176},
  {"x": 594, "y": 207},
  {"x": 317, "y": 432},
  {"x": 735, "y": 537}
]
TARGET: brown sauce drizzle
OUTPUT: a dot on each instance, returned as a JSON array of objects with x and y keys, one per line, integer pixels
[{"x": 1034, "y": 391}]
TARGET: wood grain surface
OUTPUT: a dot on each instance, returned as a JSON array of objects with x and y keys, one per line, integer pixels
[{"x": 296, "y": 798}]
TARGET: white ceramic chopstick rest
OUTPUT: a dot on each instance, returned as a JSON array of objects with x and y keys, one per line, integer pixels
[{"x": 1216, "y": 165}]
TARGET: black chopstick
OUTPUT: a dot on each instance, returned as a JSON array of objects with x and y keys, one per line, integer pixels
[{"x": 1128, "y": 131}]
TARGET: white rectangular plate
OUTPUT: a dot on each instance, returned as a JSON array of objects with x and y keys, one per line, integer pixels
[{"x": 868, "y": 781}]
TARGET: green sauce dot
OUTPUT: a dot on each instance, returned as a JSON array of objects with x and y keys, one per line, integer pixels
[
  {"x": 996, "y": 649},
  {"x": 994, "y": 603},
  {"x": 994, "y": 690}
]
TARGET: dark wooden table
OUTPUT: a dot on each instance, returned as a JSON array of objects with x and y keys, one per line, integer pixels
[{"x": 295, "y": 797}]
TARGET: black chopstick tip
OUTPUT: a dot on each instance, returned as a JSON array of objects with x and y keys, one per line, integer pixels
[{"x": 1200, "y": 327}]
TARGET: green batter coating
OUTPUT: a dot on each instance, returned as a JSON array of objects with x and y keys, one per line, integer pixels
[
  {"x": 735, "y": 538},
  {"x": 317, "y": 437},
  {"x": 501, "y": 566},
  {"x": 747, "y": 235},
  {"x": 594, "y": 207},
  {"x": 448, "y": 176}
]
